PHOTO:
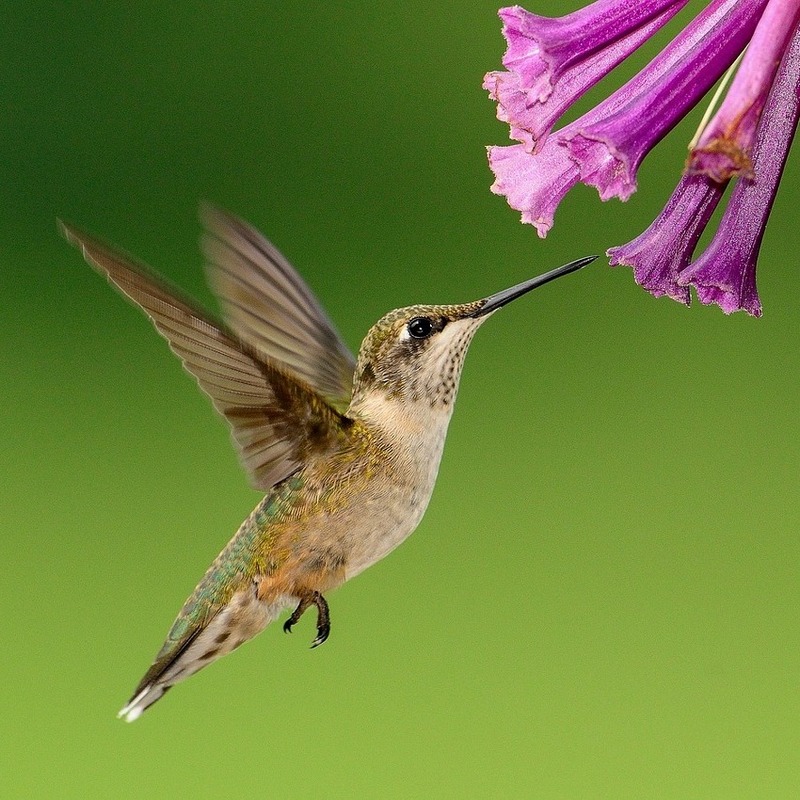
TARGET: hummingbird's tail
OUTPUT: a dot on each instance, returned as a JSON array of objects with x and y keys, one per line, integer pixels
[{"x": 192, "y": 645}]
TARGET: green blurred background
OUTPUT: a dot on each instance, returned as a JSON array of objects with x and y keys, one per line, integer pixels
[{"x": 603, "y": 598}]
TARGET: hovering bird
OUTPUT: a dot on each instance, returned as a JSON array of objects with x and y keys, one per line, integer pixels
[{"x": 346, "y": 450}]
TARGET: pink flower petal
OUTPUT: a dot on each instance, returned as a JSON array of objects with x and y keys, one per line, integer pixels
[{"x": 534, "y": 185}]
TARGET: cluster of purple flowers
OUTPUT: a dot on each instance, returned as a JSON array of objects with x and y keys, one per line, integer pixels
[{"x": 552, "y": 62}]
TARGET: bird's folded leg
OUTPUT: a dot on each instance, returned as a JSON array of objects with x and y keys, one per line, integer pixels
[{"x": 323, "y": 616}]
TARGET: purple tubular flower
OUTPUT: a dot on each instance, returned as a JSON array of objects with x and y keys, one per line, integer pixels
[
  {"x": 665, "y": 249},
  {"x": 723, "y": 150},
  {"x": 552, "y": 62},
  {"x": 607, "y": 144},
  {"x": 533, "y": 185},
  {"x": 725, "y": 273},
  {"x": 625, "y": 127}
]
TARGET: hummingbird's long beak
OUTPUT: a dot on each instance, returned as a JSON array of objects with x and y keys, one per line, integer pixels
[{"x": 500, "y": 299}]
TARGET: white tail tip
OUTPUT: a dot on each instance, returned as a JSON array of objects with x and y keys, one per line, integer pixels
[{"x": 145, "y": 698}]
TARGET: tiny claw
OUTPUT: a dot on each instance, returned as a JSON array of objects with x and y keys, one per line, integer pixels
[
  {"x": 296, "y": 614},
  {"x": 321, "y": 637}
]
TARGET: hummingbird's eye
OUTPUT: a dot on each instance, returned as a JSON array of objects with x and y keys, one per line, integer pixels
[{"x": 420, "y": 327}]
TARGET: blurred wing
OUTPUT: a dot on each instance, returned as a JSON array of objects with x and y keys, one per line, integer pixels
[
  {"x": 276, "y": 420},
  {"x": 269, "y": 306}
]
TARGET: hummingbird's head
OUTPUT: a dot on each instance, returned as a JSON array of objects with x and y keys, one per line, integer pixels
[{"x": 416, "y": 354}]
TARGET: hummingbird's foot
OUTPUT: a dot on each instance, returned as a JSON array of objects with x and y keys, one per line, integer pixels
[
  {"x": 323, "y": 617},
  {"x": 323, "y": 620}
]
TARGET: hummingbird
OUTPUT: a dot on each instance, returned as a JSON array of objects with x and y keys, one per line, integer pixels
[{"x": 346, "y": 450}]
